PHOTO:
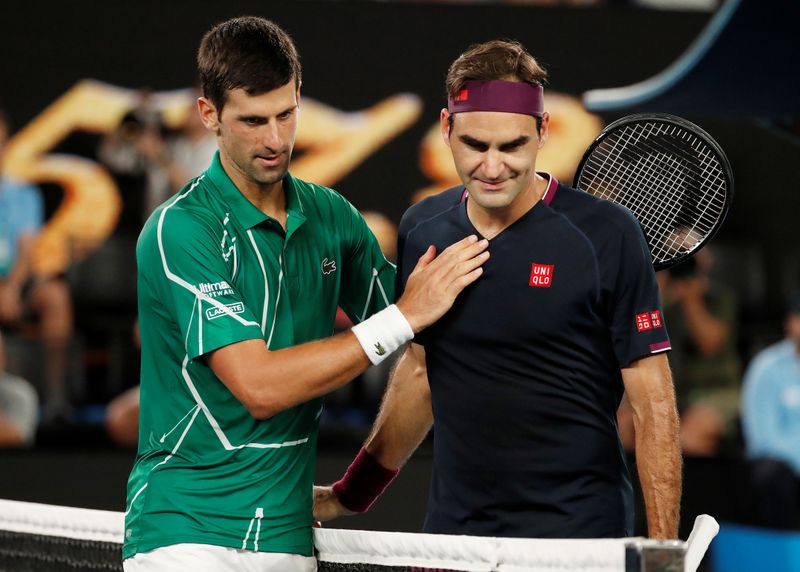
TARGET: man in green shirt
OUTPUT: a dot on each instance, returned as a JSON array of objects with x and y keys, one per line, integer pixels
[{"x": 239, "y": 278}]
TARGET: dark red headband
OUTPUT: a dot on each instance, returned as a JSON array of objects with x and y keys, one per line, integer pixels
[{"x": 499, "y": 95}]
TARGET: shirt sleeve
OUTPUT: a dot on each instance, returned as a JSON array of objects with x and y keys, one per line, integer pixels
[
  {"x": 199, "y": 291},
  {"x": 637, "y": 318},
  {"x": 368, "y": 283}
]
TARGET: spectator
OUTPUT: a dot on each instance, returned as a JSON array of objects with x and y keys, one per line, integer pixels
[
  {"x": 771, "y": 423},
  {"x": 176, "y": 159},
  {"x": 18, "y": 407},
  {"x": 23, "y": 294},
  {"x": 125, "y": 152},
  {"x": 702, "y": 317}
]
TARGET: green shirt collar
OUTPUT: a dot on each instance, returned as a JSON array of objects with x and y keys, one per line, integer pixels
[{"x": 245, "y": 211}]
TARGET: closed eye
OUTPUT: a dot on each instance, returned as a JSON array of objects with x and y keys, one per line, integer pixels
[
  {"x": 512, "y": 146},
  {"x": 482, "y": 146},
  {"x": 473, "y": 143}
]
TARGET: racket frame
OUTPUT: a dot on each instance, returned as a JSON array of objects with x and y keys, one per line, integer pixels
[{"x": 699, "y": 133}]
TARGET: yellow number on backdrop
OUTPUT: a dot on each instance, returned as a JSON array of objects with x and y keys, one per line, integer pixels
[
  {"x": 335, "y": 142},
  {"x": 91, "y": 203}
]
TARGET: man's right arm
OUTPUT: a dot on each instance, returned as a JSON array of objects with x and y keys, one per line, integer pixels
[
  {"x": 405, "y": 418},
  {"x": 268, "y": 382}
]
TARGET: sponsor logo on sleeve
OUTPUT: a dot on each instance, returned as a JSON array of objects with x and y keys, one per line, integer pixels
[
  {"x": 541, "y": 275},
  {"x": 214, "y": 312},
  {"x": 215, "y": 289},
  {"x": 649, "y": 321}
]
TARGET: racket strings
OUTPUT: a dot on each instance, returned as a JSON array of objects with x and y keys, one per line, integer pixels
[
  {"x": 670, "y": 179},
  {"x": 646, "y": 206}
]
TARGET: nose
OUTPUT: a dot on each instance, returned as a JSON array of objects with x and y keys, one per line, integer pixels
[
  {"x": 271, "y": 137},
  {"x": 492, "y": 164}
]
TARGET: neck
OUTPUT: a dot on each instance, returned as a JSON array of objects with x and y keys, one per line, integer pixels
[
  {"x": 491, "y": 222},
  {"x": 268, "y": 198}
]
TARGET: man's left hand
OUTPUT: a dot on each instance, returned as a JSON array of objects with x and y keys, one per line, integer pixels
[{"x": 327, "y": 506}]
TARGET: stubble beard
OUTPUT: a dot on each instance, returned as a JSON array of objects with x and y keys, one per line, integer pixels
[{"x": 269, "y": 176}]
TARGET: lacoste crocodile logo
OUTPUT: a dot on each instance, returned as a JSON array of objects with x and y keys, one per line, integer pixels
[
  {"x": 379, "y": 349},
  {"x": 328, "y": 266}
]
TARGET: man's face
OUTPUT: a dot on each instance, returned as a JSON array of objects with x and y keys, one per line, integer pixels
[
  {"x": 494, "y": 154},
  {"x": 256, "y": 133}
]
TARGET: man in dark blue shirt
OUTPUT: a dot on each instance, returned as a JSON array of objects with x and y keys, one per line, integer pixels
[{"x": 523, "y": 376}]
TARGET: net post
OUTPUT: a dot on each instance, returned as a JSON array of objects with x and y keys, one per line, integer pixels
[{"x": 655, "y": 556}]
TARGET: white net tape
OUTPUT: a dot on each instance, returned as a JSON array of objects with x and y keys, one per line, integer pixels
[{"x": 416, "y": 551}]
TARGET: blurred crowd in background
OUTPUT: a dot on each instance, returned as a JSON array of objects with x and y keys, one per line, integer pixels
[{"x": 68, "y": 350}]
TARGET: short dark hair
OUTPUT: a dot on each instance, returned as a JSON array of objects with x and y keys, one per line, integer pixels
[
  {"x": 493, "y": 60},
  {"x": 496, "y": 59},
  {"x": 251, "y": 53}
]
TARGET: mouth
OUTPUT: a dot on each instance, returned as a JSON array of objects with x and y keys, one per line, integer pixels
[
  {"x": 492, "y": 185},
  {"x": 269, "y": 160}
]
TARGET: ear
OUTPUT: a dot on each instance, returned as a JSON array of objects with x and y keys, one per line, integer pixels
[
  {"x": 208, "y": 114},
  {"x": 544, "y": 133},
  {"x": 444, "y": 123}
]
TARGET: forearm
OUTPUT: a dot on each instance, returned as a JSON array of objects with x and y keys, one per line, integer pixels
[
  {"x": 403, "y": 421},
  {"x": 658, "y": 461},
  {"x": 651, "y": 394},
  {"x": 268, "y": 382},
  {"x": 405, "y": 416}
]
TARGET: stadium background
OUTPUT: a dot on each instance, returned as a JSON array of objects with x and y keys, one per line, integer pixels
[{"x": 357, "y": 57}]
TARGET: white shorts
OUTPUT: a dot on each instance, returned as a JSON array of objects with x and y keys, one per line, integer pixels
[{"x": 209, "y": 558}]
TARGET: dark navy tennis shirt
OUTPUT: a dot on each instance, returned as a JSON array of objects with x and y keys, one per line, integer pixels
[{"x": 524, "y": 370}]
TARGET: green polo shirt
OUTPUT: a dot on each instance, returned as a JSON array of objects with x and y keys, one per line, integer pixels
[{"x": 214, "y": 270}]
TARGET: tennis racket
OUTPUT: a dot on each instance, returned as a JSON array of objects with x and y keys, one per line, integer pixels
[{"x": 669, "y": 173}]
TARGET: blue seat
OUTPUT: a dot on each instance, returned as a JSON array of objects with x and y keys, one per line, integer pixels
[{"x": 748, "y": 549}]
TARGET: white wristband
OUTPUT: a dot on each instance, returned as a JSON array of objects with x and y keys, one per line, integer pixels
[{"x": 383, "y": 333}]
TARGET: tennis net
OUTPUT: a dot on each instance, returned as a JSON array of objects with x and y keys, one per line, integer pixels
[{"x": 46, "y": 538}]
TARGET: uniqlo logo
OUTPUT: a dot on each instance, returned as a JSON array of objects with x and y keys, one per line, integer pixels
[
  {"x": 463, "y": 95},
  {"x": 649, "y": 321},
  {"x": 643, "y": 322},
  {"x": 541, "y": 275},
  {"x": 655, "y": 319}
]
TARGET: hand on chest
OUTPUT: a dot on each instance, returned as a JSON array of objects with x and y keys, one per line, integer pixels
[{"x": 528, "y": 290}]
